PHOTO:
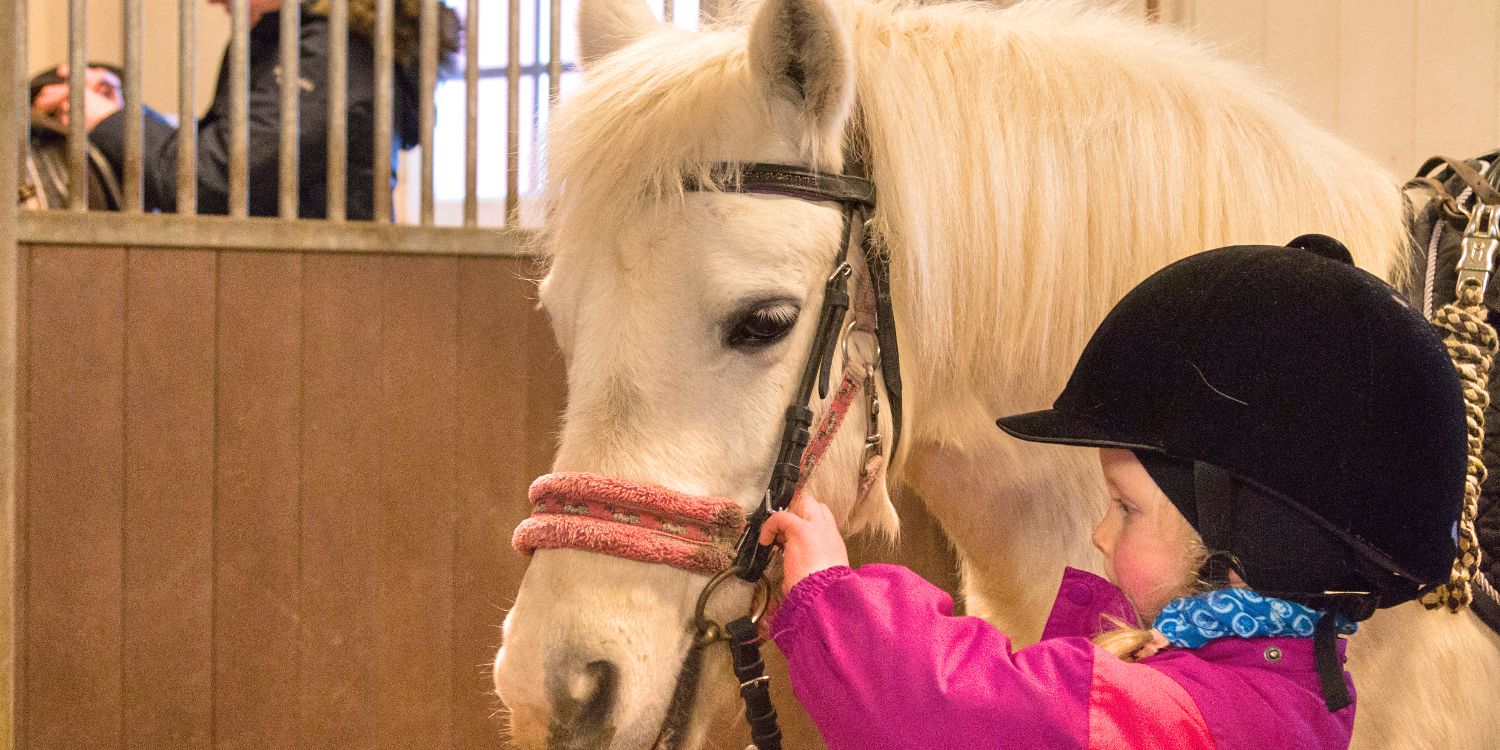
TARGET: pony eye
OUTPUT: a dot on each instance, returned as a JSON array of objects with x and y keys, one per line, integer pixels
[{"x": 763, "y": 325}]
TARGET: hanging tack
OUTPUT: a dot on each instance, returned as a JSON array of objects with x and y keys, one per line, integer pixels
[{"x": 1471, "y": 343}]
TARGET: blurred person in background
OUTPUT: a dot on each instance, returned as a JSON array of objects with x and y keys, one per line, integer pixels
[
  {"x": 105, "y": 118},
  {"x": 45, "y": 172}
]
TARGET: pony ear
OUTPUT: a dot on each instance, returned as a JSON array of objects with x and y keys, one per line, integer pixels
[
  {"x": 605, "y": 26},
  {"x": 801, "y": 52}
]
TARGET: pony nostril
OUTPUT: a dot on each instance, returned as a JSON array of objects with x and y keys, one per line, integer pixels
[{"x": 582, "y": 701}]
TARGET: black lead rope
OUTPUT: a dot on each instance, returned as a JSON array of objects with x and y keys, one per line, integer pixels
[{"x": 755, "y": 686}]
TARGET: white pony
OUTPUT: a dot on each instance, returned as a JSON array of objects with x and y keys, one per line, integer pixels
[{"x": 1032, "y": 164}]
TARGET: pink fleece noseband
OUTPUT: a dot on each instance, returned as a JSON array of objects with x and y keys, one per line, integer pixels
[
  {"x": 634, "y": 521},
  {"x": 655, "y": 524}
]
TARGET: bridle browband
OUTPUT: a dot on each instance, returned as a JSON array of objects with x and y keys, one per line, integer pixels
[{"x": 654, "y": 524}]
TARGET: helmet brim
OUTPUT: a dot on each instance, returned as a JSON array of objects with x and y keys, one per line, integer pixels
[{"x": 1064, "y": 428}]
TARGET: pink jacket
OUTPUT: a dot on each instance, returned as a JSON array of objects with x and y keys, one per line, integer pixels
[{"x": 879, "y": 660}]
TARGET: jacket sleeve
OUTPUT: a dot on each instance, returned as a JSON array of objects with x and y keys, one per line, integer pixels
[
  {"x": 159, "y": 140},
  {"x": 879, "y": 660}
]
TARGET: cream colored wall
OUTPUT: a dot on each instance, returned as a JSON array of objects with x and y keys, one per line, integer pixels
[
  {"x": 47, "y": 42},
  {"x": 1402, "y": 79}
]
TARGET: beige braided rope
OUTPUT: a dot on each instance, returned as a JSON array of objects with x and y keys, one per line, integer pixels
[{"x": 1471, "y": 343}]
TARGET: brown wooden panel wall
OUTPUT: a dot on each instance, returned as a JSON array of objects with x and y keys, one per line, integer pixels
[
  {"x": 267, "y": 497},
  {"x": 271, "y": 495}
]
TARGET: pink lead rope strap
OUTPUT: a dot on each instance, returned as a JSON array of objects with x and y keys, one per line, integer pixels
[{"x": 648, "y": 523}]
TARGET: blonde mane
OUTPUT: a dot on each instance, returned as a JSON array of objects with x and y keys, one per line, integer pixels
[
  {"x": 1053, "y": 151},
  {"x": 1118, "y": 147}
]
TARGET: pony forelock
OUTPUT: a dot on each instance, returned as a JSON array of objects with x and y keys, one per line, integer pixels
[{"x": 649, "y": 116}]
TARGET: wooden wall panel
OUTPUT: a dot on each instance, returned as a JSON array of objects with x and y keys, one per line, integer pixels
[
  {"x": 341, "y": 452},
  {"x": 75, "y": 498},
  {"x": 547, "y": 390},
  {"x": 257, "y": 605},
  {"x": 1377, "y": 42},
  {"x": 1238, "y": 27},
  {"x": 493, "y": 342},
  {"x": 418, "y": 443},
  {"x": 169, "y": 474},
  {"x": 1301, "y": 52},
  {"x": 22, "y": 470},
  {"x": 1401, "y": 79},
  {"x": 1458, "y": 75}
]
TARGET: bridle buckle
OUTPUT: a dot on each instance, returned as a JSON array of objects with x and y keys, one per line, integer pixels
[{"x": 1480, "y": 244}]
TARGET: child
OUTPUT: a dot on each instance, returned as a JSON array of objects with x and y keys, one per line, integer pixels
[{"x": 1284, "y": 445}]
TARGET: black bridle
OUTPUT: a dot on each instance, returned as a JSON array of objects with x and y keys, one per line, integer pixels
[{"x": 856, "y": 194}]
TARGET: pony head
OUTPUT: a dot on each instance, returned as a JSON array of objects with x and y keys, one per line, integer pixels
[{"x": 685, "y": 317}]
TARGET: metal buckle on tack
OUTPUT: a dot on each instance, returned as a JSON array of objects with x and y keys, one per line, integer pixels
[
  {"x": 1480, "y": 245},
  {"x": 874, "y": 441},
  {"x": 708, "y": 631}
]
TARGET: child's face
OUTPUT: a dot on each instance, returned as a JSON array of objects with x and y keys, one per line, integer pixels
[{"x": 1146, "y": 542}]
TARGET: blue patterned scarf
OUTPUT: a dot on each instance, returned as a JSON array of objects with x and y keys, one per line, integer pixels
[{"x": 1191, "y": 621}]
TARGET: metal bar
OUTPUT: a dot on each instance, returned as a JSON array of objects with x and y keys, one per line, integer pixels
[
  {"x": 187, "y": 108},
  {"x": 78, "y": 175},
  {"x": 471, "y": 115},
  {"x": 668, "y": 8},
  {"x": 21, "y": 81},
  {"x": 239, "y": 107},
  {"x": 107, "y": 229},
  {"x": 291, "y": 81},
  {"x": 428, "y": 86},
  {"x": 338, "y": 98},
  {"x": 513, "y": 117},
  {"x": 534, "y": 69},
  {"x": 384, "y": 82},
  {"x": 130, "y": 179},
  {"x": 554, "y": 55},
  {"x": 534, "y": 123},
  {"x": 13, "y": 109}
]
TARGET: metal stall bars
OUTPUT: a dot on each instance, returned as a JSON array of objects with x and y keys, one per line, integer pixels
[
  {"x": 286, "y": 231},
  {"x": 286, "y": 173},
  {"x": 427, "y": 64},
  {"x": 239, "y": 108},
  {"x": 471, "y": 115},
  {"x": 78, "y": 176},
  {"x": 384, "y": 80},
  {"x": 337, "y": 86},
  {"x": 513, "y": 116},
  {"x": 187, "y": 124}
]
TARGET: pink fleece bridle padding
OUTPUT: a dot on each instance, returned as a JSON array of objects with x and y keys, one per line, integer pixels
[
  {"x": 635, "y": 521},
  {"x": 655, "y": 524}
]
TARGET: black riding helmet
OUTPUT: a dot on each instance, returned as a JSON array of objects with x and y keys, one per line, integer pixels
[{"x": 1304, "y": 419}]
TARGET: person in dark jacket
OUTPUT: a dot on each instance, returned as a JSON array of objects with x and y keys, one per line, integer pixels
[{"x": 106, "y": 119}]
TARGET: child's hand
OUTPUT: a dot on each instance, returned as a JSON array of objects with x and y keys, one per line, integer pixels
[{"x": 810, "y": 537}]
